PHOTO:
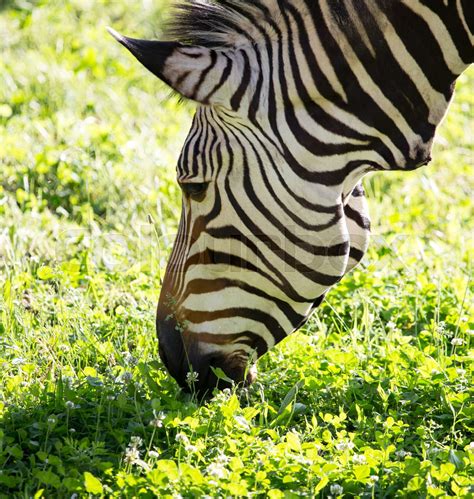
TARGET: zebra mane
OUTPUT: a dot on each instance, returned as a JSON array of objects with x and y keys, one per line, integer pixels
[{"x": 222, "y": 23}]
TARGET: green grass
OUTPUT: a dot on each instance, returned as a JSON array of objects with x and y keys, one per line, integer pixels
[{"x": 371, "y": 399}]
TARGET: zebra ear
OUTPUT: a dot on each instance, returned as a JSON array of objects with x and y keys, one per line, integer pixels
[{"x": 190, "y": 70}]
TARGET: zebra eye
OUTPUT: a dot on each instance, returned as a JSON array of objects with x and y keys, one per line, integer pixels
[{"x": 197, "y": 191}]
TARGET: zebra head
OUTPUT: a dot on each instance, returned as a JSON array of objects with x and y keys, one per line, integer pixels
[
  {"x": 244, "y": 272},
  {"x": 294, "y": 107}
]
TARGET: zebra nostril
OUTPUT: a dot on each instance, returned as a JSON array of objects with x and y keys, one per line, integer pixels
[
  {"x": 420, "y": 157},
  {"x": 425, "y": 161}
]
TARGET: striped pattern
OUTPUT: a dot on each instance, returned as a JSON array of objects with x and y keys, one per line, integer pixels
[{"x": 299, "y": 99}]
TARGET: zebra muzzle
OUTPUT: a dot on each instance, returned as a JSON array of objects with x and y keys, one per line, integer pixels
[{"x": 197, "y": 369}]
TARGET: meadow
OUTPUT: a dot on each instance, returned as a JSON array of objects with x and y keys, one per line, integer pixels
[{"x": 372, "y": 398}]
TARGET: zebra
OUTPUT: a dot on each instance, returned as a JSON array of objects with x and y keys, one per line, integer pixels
[{"x": 296, "y": 101}]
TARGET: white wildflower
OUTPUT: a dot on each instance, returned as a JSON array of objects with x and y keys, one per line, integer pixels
[
  {"x": 374, "y": 478},
  {"x": 391, "y": 325},
  {"x": 157, "y": 422},
  {"x": 241, "y": 422},
  {"x": 153, "y": 454},
  {"x": 441, "y": 327},
  {"x": 52, "y": 420},
  {"x": 457, "y": 342},
  {"x": 402, "y": 454},
  {"x": 181, "y": 437},
  {"x": 190, "y": 448},
  {"x": 216, "y": 470},
  {"x": 18, "y": 361},
  {"x": 359, "y": 459},
  {"x": 471, "y": 446},
  {"x": 461, "y": 372},
  {"x": 129, "y": 359},
  {"x": 136, "y": 442},
  {"x": 132, "y": 455},
  {"x": 244, "y": 391},
  {"x": 336, "y": 489},
  {"x": 70, "y": 405},
  {"x": 222, "y": 458},
  {"x": 341, "y": 446},
  {"x": 191, "y": 378},
  {"x": 110, "y": 397}
]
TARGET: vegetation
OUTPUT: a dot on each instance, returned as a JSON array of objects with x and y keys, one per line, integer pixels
[{"x": 370, "y": 399}]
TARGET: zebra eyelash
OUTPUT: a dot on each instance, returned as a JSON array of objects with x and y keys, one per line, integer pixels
[{"x": 194, "y": 190}]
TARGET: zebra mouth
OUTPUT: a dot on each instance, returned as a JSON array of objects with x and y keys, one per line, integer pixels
[
  {"x": 223, "y": 372},
  {"x": 226, "y": 372}
]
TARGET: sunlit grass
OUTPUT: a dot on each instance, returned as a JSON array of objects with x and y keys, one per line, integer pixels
[{"x": 371, "y": 398}]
